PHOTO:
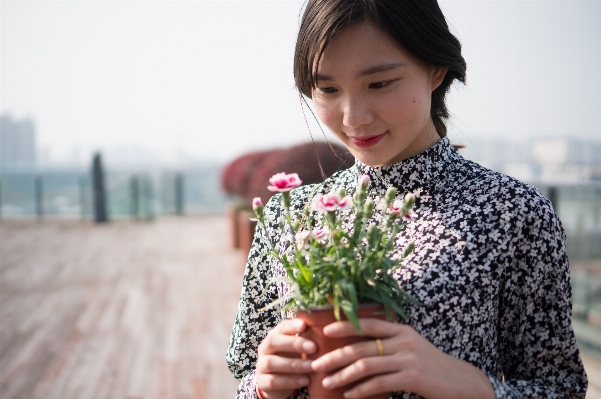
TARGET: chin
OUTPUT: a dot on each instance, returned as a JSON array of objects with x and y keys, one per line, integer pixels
[{"x": 375, "y": 157}]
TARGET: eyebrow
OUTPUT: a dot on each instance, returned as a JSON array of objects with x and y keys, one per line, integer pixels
[{"x": 368, "y": 71}]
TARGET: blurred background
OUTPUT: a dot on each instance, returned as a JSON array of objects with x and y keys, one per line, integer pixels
[{"x": 167, "y": 95}]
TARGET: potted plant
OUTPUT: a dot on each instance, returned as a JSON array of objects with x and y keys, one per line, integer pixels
[{"x": 334, "y": 271}]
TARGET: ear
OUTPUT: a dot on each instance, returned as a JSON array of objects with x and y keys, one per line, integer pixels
[{"x": 437, "y": 77}]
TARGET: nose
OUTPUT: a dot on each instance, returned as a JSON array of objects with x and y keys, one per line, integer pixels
[{"x": 357, "y": 112}]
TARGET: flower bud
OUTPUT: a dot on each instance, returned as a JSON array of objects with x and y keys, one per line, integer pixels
[
  {"x": 409, "y": 199},
  {"x": 390, "y": 194},
  {"x": 341, "y": 192},
  {"x": 257, "y": 203},
  {"x": 368, "y": 207},
  {"x": 364, "y": 181},
  {"x": 408, "y": 249},
  {"x": 258, "y": 207}
]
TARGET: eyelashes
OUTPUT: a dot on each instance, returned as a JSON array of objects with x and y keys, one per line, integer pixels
[
  {"x": 374, "y": 85},
  {"x": 381, "y": 85},
  {"x": 327, "y": 90}
]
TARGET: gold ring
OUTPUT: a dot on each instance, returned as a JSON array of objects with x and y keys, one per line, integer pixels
[{"x": 380, "y": 347}]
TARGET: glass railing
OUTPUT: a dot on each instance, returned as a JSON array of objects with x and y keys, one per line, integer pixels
[
  {"x": 68, "y": 193},
  {"x": 144, "y": 195}
]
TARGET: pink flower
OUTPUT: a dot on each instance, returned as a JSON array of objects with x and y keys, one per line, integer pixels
[
  {"x": 330, "y": 202},
  {"x": 396, "y": 207},
  {"x": 410, "y": 215},
  {"x": 281, "y": 182},
  {"x": 320, "y": 234},
  {"x": 257, "y": 203},
  {"x": 302, "y": 238}
]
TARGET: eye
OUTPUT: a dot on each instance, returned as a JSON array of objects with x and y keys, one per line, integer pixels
[
  {"x": 380, "y": 85},
  {"x": 327, "y": 90}
]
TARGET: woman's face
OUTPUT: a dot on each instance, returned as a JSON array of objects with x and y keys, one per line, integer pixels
[{"x": 375, "y": 96}]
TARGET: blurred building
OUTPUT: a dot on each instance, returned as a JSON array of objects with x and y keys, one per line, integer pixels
[
  {"x": 556, "y": 160},
  {"x": 17, "y": 143}
]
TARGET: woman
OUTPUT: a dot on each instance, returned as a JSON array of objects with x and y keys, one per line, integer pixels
[{"x": 490, "y": 264}]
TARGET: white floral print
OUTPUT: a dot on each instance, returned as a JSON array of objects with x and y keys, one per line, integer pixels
[{"x": 489, "y": 265}]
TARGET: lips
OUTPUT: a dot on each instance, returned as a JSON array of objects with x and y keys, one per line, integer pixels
[{"x": 368, "y": 142}]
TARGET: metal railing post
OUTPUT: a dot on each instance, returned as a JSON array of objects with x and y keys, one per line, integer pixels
[
  {"x": 179, "y": 194},
  {"x": 100, "y": 214},
  {"x": 82, "y": 197},
  {"x": 149, "y": 199},
  {"x": 554, "y": 197},
  {"x": 134, "y": 195},
  {"x": 39, "y": 197}
]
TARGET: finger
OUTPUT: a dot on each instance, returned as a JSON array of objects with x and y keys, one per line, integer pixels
[
  {"x": 360, "y": 369},
  {"x": 369, "y": 327},
  {"x": 377, "y": 384},
  {"x": 291, "y": 326},
  {"x": 269, "y": 382},
  {"x": 271, "y": 364},
  {"x": 344, "y": 356},
  {"x": 276, "y": 342}
]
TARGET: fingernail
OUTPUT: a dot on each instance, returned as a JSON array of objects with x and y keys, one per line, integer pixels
[
  {"x": 316, "y": 365},
  {"x": 308, "y": 346},
  {"x": 327, "y": 382}
]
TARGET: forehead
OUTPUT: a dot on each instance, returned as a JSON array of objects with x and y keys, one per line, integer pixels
[{"x": 358, "y": 48}]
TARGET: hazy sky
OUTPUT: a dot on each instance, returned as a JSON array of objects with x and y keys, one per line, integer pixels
[{"x": 209, "y": 80}]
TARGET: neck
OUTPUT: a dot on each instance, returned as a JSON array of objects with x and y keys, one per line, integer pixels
[{"x": 426, "y": 139}]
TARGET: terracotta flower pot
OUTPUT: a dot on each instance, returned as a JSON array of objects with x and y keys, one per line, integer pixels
[
  {"x": 316, "y": 320},
  {"x": 246, "y": 231},
  {"x": 232, "y": 214}
]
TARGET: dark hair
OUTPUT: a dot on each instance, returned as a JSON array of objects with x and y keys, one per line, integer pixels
[{"x": 417, "y": 25}]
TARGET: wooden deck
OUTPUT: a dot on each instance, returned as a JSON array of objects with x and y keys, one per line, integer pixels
[
  {"x": 127, "y": 310},
  {"x": 124, "y": 310}
]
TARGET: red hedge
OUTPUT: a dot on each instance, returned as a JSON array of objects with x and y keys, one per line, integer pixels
[
  {"x": 248, "y": 176},
  {"x": 236, "y": 175}
]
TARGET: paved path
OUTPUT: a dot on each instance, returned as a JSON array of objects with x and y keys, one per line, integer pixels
[{"x": 124, "y": 310}]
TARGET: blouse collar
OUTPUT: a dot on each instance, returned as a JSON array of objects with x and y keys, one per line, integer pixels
[{"x": 425, "y": 169}]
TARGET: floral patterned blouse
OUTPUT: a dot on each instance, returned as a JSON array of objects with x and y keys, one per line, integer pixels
[{"x": 489, "y": 265}]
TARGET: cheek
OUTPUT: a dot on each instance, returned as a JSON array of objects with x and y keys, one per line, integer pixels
[
  {"x": 408, "y": 107},
  {"x": 328, "y": 115}
]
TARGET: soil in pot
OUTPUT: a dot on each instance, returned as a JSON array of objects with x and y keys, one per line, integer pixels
[{"x": 316, "y": 320}]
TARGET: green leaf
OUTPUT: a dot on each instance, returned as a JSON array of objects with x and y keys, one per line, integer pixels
[
  {"x": 275, "y": 303},
  {"x": 336, "y": 307},
  {"x": 400, "y": 310},
  {"x": 351, "y": 314},
  {"x": 408, "y": 249}
]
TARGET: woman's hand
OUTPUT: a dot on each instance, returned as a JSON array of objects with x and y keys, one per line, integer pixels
[
  {"x": 280, "y": 369},
  {"x": 409, "y": 362}
]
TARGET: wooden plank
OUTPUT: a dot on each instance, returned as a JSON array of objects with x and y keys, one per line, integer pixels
[{"x": 140, "y": 310}]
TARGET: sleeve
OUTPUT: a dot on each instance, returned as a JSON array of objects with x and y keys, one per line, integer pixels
[
  {"x": 252, "y": 323},
  {"x": 539, "y": 357}
]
